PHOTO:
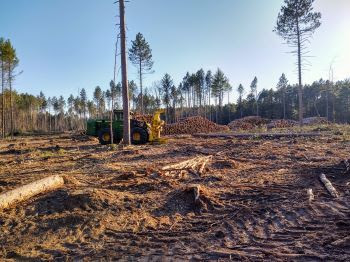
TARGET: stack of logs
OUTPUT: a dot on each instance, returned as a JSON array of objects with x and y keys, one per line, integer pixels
[
  {"x": 193, "y": 125},
  {"x": 145, "y": 118},
  {"x": 282, "y": 123},
  {"x": 315, "y": 121},
  {"x": 249, "y": 122}
]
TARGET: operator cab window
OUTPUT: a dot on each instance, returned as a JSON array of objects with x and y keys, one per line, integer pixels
[{"x": 118, "y": 116}]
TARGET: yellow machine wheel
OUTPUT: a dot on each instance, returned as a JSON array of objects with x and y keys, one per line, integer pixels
[
  {"x": 104, "y": 137},
  {"x": 139, "y": 136},
  {"x": 136, "y": 136}
]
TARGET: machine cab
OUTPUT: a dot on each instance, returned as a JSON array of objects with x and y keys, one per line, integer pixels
[{"x": 118, "y": 115}]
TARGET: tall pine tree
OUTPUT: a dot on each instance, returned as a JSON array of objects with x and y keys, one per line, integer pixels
[
  {"x": 140, "y": 55},
  {"x": 296, "y": 23}
]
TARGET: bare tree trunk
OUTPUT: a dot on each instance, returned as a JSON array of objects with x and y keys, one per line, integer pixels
[
  {"x": 174, "y": 106},
  {"x": 111, "y": 125},
  {"x": 141, "y": 91},
  {"x": 11, "y": 104},
  {"x": 3, "y": 99},
  {"x": 210, "y": 118},
  {"x": 112, "y": 109},
  {"x": 50, "y": 120},
  {"x": 229, "y": 107},
  {"x": 300, "y": 90},
  {"x": 327, "y": 104},
  {"x": 333, "y": 108},
  {"x": 316, "y": 109},
  {"x": 216, "y": 111},
  {"x": 256, "y": 101},
  {"x": 284, "y": 105},
  {"x": 126, "y": 110}
]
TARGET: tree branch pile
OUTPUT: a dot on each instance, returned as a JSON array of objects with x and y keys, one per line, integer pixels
[{"x": 195, "y": 165}]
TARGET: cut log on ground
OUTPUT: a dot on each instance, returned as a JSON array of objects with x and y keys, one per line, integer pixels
[
  {"x": 347, "y": 165},
  {"x": 344, "y": 242},
  {"x": 25, "y": 192},
  {"x": 310, "y": 195},
  {"x": 329, "y": 186}
]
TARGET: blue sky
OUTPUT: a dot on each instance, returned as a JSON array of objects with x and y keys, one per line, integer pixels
[{"x": 66, "y": 45}]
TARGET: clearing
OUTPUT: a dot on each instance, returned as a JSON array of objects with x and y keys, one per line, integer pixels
[{"x": 249, "y": 202}]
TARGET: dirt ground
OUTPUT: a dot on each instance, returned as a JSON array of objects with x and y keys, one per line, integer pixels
[{"x": 120, "y": 204}]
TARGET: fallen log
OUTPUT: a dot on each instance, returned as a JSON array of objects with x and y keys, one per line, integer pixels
[
  {"x": 332, "y": 191},
  {"x": 347, "y": 165},
  {"x": 25, "y": 192},
  {"x": 310, "y": 195},
  {"x": 343, "y": 242}
]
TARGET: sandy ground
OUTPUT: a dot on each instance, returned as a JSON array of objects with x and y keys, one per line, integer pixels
[{"x": 120, "y": 204}]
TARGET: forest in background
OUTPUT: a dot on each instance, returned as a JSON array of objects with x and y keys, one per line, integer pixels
[{"x": 198, "y": 94}]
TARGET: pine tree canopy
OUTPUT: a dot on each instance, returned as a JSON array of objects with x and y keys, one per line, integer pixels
[
  {"x": 282, "y": 83},
  {"x": 297, "y": 16},
  {"x": 140, "y": 54}
]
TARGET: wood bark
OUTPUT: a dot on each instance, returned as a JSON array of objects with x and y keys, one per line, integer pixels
[
  {"x": 25, "y": 192},
  {"x": 195, "y": 165},
  {"x": 182, "y": 165},
  {"x": 202, "y": 167},
  {"x": 141, "y": 91},
  {"x": 11, "y": 103},
  {"x": 126, "y": 109},
  {"x": 310, "y": 194},
  {"x": 332, "y": 191},
  {"x": 191, "y": 125},
  {"x": 347, "y": 165},
  {"x": 3, "y": 99},
  {"x": 300, "y": 90}
]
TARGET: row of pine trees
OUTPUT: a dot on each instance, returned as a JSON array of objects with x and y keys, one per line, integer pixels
[{"x": 198, "y": 94}]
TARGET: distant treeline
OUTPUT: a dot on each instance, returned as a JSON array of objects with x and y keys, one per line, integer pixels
[{"x": 198, "y": 94}]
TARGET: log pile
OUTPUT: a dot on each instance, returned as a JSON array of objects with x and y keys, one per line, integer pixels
[
  {"x": 315, "y": 121},
  {"x": 146, "y": 118},
  {"x": 193, "y": 125},
  {"x": 281, "y": 123},
  {"x": 249, "y": 122}
]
